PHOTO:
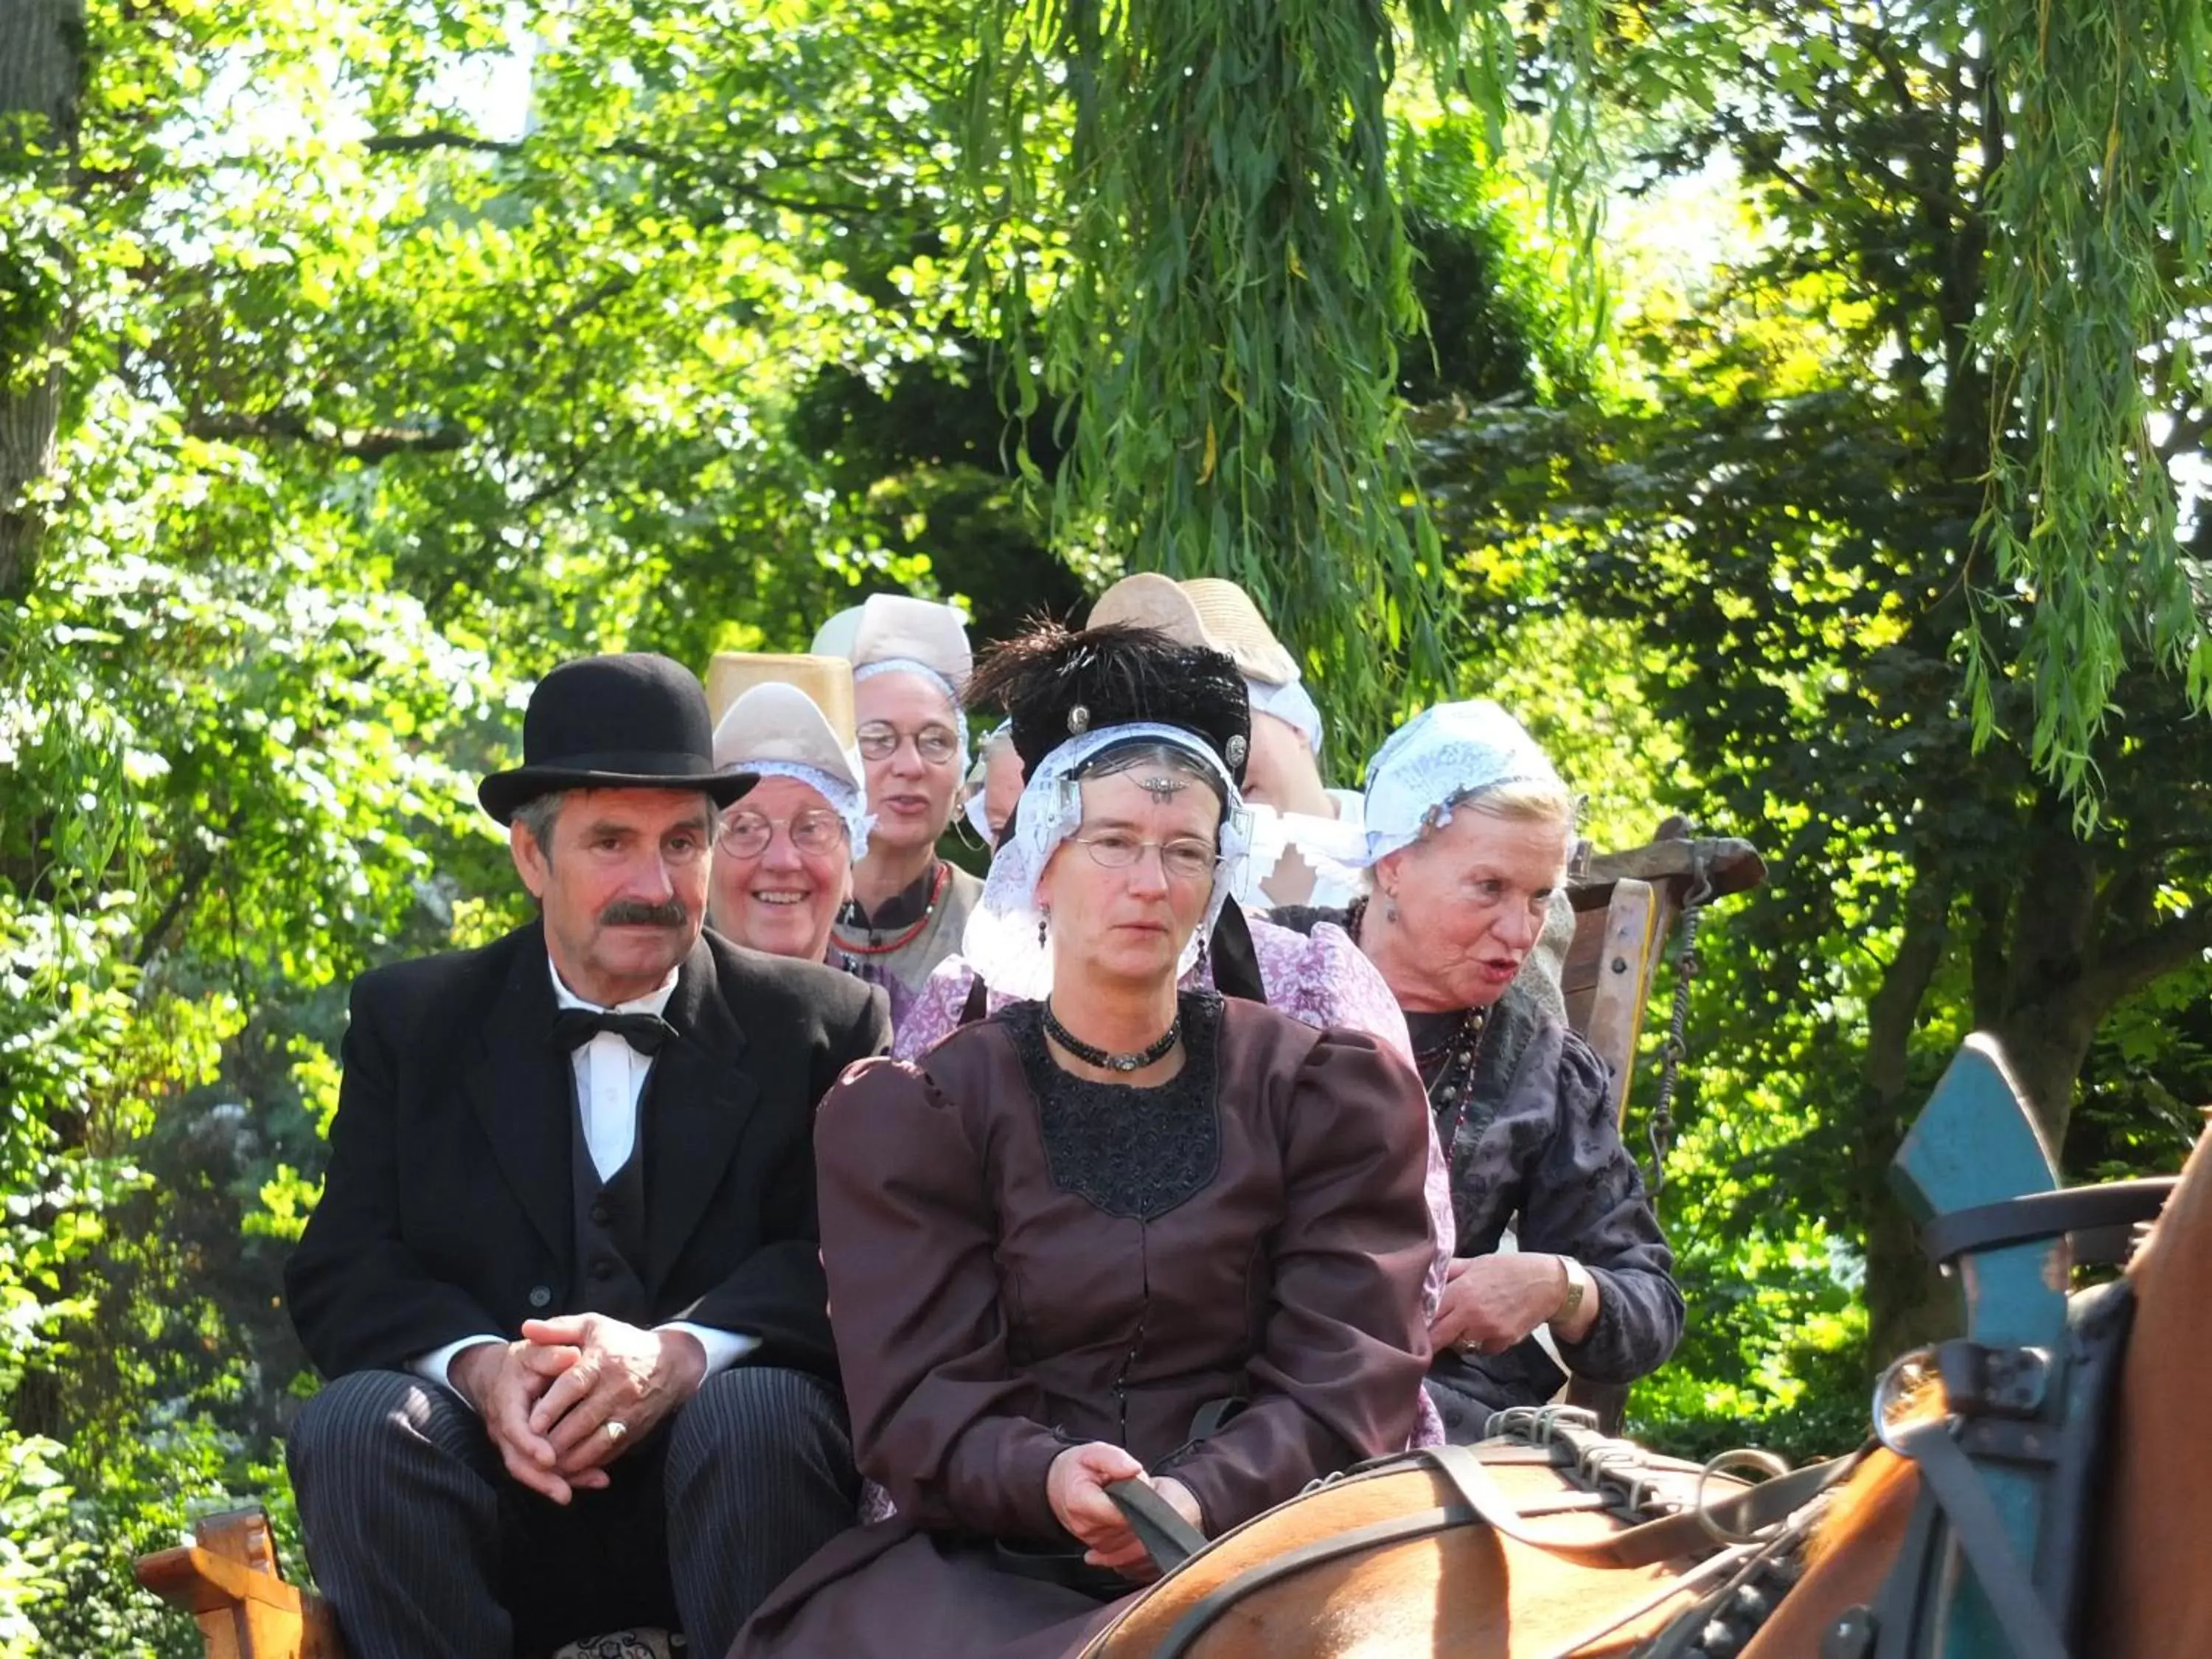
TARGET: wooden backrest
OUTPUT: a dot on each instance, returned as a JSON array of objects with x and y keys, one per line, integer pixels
[
  {"x": 1625, "y": 908},
  {"x": 228, "y": 1580},
  {"x": 1619, "y": 938}
]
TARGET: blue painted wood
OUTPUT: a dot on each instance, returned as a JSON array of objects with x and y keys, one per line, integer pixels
[{"x": 1977, "y": 1142}]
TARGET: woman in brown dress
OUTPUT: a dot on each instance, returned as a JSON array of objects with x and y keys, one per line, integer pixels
[{"x": 1114, "y": 1230}]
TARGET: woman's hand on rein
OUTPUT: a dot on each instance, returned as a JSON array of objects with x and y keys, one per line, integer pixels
[
  {"x": 1076, "y": 1485},
  {"x": 1491, "y": 1302}
]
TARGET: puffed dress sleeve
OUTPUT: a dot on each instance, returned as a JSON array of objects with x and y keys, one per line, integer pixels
[{"x": 940, "y": 1416}]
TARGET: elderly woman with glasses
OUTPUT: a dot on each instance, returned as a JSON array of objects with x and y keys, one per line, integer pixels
[
  {"x": 1468, "y": 829},
  {"x": 1117, "y": 1230},
  {"x": 784, "y": 855},
  {"x": 910, "y": 664}
]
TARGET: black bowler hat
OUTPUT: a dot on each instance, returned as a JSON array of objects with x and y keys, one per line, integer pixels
[{"x": 636, "y": 721}]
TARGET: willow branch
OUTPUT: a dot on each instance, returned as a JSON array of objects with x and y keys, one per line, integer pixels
[
  {"x": 373, "y": 443},
  {"x": 436, "y": 139}
]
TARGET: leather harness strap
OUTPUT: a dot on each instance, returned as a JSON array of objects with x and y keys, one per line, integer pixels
[
  {"x": 1481, "y": 1499},
  {"x": 1169, "y": 1539},
  {"x": 1690, "y": 1532},
  {"x": 1972, "y": 1518},
  {"x": 2044, "y": 1215}
]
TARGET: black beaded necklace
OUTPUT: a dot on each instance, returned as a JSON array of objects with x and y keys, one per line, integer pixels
[
  {"x": 1453, "y": 1088},
  {"x": 1098, "y": 1057}
]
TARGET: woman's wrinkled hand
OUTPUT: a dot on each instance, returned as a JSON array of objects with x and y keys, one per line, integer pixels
[
  {"x": 1491, "y": 1302},
  {"x": 1076, "y": 1488}
]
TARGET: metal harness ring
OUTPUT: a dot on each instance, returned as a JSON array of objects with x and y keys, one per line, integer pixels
[
  {"x": 1903, "y": 1374},
  {"x": 1744, "y": 1458}
]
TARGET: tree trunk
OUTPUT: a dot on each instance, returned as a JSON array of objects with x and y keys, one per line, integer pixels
[
  {"x": 2046, "y": 1043},
  {"x": 1906, "y": 1301},
  {"x": 42, "y": 73}
]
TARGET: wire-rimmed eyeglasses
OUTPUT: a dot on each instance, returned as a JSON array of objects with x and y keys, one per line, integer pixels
[{"x": 746, "y": 834}]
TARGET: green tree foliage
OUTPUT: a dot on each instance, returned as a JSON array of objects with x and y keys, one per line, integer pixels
[
  {"x": 375, "y": 355},
  {"x": 1194, "y": 200},
  {"x": 2100, "y": 246},
  {"x": 1223, "y": 277}
]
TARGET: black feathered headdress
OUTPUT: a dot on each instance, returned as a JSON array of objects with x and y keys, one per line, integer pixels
[{"x": 1055, "y": 684}]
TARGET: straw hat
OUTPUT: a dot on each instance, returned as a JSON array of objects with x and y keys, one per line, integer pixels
[
  {"x": 1204, "y": 610},
  {"x": 775, "y": 724},
  {"x": 826, "y": 681}
]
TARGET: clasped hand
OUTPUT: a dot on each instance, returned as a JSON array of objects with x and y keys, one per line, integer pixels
[
  {"x": 1076, "y": 1485},
  {"x": 547, "y": 1399}
]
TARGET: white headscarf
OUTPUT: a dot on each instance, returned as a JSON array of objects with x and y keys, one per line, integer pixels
[
  {"x": 1441, "y": 757},
  {"x": 1002, "y": 941},
  {"x": 1288, "y": 702}
]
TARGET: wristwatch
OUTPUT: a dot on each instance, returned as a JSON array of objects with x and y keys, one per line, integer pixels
[{"x": 1577, "y": 1285}]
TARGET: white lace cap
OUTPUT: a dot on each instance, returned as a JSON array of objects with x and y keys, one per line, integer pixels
[
  {"x": 1441, "y": 757},
  {"x": 844, "y": 798},
  {"x": 1289, "y": 703},
  {"x": 978, "y": 819},
  {"x": 1334, "y": 850},
  {"x": 971, "y": 805},
  {"x": 1001, "y": 940}
]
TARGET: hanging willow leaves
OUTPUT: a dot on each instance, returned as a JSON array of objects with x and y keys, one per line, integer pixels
[
  {"x": 2101, "y": 221},
  {"x": 1221, "y": 320}
]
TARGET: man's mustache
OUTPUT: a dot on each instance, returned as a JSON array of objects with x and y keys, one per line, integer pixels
[{"x": 635, "y": 913}]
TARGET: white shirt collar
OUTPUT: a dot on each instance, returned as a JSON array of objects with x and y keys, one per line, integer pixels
[{"x": 652, "y": 1002}]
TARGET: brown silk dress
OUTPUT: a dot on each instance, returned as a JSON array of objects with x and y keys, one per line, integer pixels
[{"x": 1020, "y": 1260}]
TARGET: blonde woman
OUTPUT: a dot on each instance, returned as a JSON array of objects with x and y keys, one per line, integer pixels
[{"x": 1468, "y": 828}]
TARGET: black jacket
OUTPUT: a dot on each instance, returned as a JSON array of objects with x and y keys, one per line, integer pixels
[{"x": 448, "y": 1208}]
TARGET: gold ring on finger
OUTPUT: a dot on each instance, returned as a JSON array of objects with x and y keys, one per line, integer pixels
[{"x": 616, "y": 1429}]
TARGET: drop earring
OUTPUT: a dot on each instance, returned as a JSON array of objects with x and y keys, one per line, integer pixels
[
  {"x": 1044, "y": 925},
  {"x": 1390, "y": 908}
]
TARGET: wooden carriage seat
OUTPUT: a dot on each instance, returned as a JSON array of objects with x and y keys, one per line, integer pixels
[{"x": 1624, "y": 904}]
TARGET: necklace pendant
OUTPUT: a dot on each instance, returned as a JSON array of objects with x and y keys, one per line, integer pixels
[{"x": 1125, "y": 1062}]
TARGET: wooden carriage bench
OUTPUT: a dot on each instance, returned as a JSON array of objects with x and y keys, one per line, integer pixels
[{"x": 1625, "y": 907}]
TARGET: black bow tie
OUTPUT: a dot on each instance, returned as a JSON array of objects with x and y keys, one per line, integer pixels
[{"x": 574, "y": 1027}]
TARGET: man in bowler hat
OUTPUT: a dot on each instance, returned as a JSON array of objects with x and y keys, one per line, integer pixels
[{"x": 564, "y": 1278}]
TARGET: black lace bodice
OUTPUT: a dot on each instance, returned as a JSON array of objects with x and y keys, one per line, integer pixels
[{"x": 1132, "y": 1151}]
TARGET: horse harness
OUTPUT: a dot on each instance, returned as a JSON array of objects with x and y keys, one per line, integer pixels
[
  {"x": 2018, "y": 1408},
  {"x": 1664, "y": 1500}
]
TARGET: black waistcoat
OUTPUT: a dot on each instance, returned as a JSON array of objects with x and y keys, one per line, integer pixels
[{"x": 610, "y": 1223}]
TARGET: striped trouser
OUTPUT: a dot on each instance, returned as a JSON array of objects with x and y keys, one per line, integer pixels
[{"x": 428, "y": 1549}]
